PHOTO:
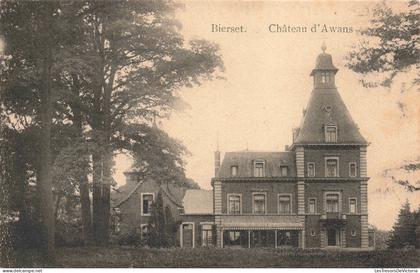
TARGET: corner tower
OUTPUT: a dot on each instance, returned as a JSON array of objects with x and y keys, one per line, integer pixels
[{"x": 331, "y": 166}]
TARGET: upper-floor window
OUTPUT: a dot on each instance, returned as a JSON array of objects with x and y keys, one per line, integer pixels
[
  {"x": 352, "y": 205},
  {"x": 331, "y": 201},
  {"x": 284, "y": 170},
  {"x": 353, "y": 169},
  {"x": 331, "y": 167},
  {"x": 312, "y": 205},
  {"x": 146, "y": 203},
  {"x": 259, "y": 170},
  {"x": 234, "y": 170},
  {"x": 285, "y": 204},
  {"x": 259, "y": 203},
  {"x": 330, "y": 134},
  {"x": 311, "y": 169},
  {"x": 234, "y": 204}
]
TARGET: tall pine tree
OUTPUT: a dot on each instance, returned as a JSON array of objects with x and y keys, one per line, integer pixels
[{"x": 404, "y": 230}]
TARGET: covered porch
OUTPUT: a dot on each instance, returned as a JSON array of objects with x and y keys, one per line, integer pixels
[{"x": 254, "y": 231}]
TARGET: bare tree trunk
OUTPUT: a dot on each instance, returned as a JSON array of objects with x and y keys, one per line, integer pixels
[
  {"x": 45, "y": 178},
  {"x": 86, "y": 212},
  {"x": 83, "y": 181},
  {"x": 106, "y": 196},
  {"x": 97, "y": 198}
]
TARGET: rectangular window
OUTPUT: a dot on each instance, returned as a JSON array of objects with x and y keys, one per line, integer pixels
[
  {"x": 259, "y": 169},
  {"x": 285, "y": 204},
  {"x": 331, "y": 167},
  {"x": 353, "y": 169},
  {"x": 234, "y": 170},
  {"x": 311, "y": 169},
  {"x": 332, "y": 202},
  {"x": 234, "y": 204},
  {"x": 352, "y": 205},
  {"x": 284, "y": 170},
  {"x": 147, "y": 200},
  {"x": 312, "y": 205},
  {"x": 259, "y": 203},
  {"x": 206, "y": 235},
  {"x": 330, "y": 134}
]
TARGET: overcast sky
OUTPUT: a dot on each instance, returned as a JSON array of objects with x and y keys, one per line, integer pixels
[{"x": 268, "y": 85}]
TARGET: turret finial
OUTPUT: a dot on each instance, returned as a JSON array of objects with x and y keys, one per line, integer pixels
[{"x": 323, "y": 47}]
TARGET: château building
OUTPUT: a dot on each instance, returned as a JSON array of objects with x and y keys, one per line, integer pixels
[{"x": 312, "y": 195}]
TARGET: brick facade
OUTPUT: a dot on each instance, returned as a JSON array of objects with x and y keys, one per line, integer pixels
[{"x": 326, "y": 205}]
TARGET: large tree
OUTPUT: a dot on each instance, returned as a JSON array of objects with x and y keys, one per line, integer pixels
[
  {"x": 389, "y": 44},
  {"x": 388, "y": 47},
  {"x": 90, "y": 81},
  {"x": 34, "y": 37},
  {"x": 140, "y": 61}
]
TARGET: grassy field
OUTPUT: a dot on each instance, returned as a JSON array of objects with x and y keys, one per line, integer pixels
[{"x": 137, "y": 257}]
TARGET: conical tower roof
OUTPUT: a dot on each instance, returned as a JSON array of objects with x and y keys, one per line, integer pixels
[{"x": 326, "y": 108}]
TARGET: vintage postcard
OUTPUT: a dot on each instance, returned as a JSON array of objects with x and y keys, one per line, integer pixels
[{"x": 210, "y": 134}]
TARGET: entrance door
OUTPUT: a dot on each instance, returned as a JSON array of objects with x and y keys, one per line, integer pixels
[
  {"x": 332, "y": 239},
  {"x": 187, "y": 235}
]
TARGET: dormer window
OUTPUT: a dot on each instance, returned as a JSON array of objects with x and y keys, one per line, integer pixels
[
  {"x": 259, "y": 170},
  {"x": 234, "y": 170},
  {"x": 330, "y": 133},
  {"x": 284, "y": 170}
]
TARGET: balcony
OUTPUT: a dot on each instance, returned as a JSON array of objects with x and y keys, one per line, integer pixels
[{"x": 336, "y": 219}]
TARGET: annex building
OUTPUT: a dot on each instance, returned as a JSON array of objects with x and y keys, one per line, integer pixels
[{"x": 312, "y": 195}]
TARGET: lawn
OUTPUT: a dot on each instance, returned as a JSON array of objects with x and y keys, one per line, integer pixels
[{"x": 116, "y": 256}]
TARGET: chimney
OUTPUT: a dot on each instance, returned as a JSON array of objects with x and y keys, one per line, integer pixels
[
  {"x": 131, "y": 177},
  {"x": 217, "y": 157},
  {"x": 216, "y": 162}
]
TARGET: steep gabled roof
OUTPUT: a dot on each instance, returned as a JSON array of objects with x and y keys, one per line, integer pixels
[
  {"x": 326, "y": 107},
  {"x": 198, "y": 202},
  {"x": 172, "y": 192},
  {"x": 245, "y": 159}
]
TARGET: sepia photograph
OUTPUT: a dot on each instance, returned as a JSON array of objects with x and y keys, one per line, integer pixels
[{"x": 210, "y": 134}]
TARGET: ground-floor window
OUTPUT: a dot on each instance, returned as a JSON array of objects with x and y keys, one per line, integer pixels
[
  {"x": 287, "y": 238},
  {"x": 206, "y": 235},
  {"x": 263, "y": 238},
  {"x": 235, "y": 238},
  {"x": 260, "y": 238}
]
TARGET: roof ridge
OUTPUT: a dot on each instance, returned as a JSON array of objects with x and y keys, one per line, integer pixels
[
  {"x": 129, "y": 195},
  {"x": 170, "y": 195}
]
